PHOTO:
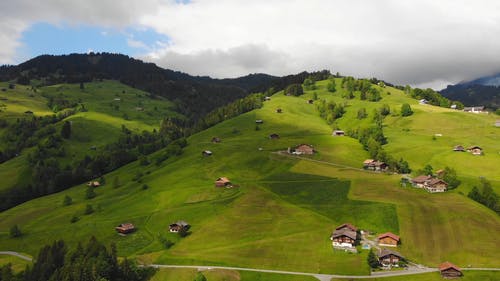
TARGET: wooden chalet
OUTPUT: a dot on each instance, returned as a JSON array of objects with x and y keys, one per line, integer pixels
[
  {"x": 420, "y": 181},
  {"x": 223, "y": 182},
  {"x": 475, "y": 150},
  {"x": 374, "y": 165},
  {"x": 274, "y": 136},
  {"x": 338, "y": 133},
  {"x": 216, "y": 140},
  {"x": 449, "y": 270},
  {"x": 388, "y": 239},
  {"x": 440, "y": 173},
  {"x": 178, "y": 226},
  {"x": 459, "y": 148},
  {"x": 303, "y": 149},
  {"x": 436, "y": 185},
  {"x": 206, "y": 153},
  {"x": 389, "y": 258},
  {"x": 93, "y": 184},
  {"x": 344, "y": 236},
  {"x": 125, "y": 228},
  {"x": 279, "y": 110}
]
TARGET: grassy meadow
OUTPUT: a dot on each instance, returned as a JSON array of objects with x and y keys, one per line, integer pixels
[{"x": 284, "y": 210}]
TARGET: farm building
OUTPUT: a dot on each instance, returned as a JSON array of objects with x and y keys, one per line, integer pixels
[
  {"x": 206, "y": 153},
  {"x": 94, "y": 183},
  {"x": 370, "y": 164},
  {"x": 449, "y": 270},
  {"x": 420, "y": 181},
  {"x": 475, "y": 150},
  {"x": 259, "y": 121},
  {"x": 338, "y": 133},
  {"x": 279, "y": 110},
  {"x": 474, "y": 109},
  {"x": 344, "y": 236},
  {"x": 389, "y": 258},
  {"x": 459, "y": 148},
  {"x": 274, "y": 136},
  {"x": 216, "y": 140},
  {"x": 302, "y": 149},
  {"x": 223, "y": 182},
  {"x": 178, "y": 226},
  {"x": 388, "y": 239},
  {"x": 436, "y": 185},
  {"x": 125, "y": 228}
]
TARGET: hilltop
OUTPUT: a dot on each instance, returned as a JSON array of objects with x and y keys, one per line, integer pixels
[{"x": 284, "y": 209}]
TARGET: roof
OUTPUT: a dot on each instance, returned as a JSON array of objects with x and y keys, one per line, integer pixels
[
  {"x": 389, "y": 234},
  {"x": 421, "y": 179},
  {"x": 344, "y": 232},
  {"x": 207, "y": 151},
  {"x": 458, "y": 147},
  {"x": 386, "y": 252},
  {"x": 125, "y": 226},
  {"x": 223, "y": 179},
  {"x": 447, "y": 265},
  {"x": 368, "y": 161},
  {"x": 474, "y": 147},
  {"x": 436, "y": 181},
  {"x": 303, "y": 144},
  {"x": 348, "y": 225}
]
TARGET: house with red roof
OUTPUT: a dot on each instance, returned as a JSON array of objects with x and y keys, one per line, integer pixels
[
  {"x": 449, "y": 270},
  {"x": 388, "y": 239}
]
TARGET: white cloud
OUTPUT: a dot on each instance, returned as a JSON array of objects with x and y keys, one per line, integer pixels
[{"x": 402, "y": 41}]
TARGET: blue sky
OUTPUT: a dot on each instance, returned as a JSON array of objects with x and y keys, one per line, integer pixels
[{"x": 45, "y": 38}]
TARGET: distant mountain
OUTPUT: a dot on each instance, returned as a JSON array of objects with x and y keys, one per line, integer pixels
[
  {"x": 194, "y": 95},
  {"x": 481, "y": 91}
]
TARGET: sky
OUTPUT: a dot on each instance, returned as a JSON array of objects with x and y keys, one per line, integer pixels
[{"x": 423, "y": 43}]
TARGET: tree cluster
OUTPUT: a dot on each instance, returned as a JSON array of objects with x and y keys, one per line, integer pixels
[
  {"x": 485, "y": 195},
  {"x": 330, "y": 111},
  {"x": 89, "y": 262},
  {"x": 363, "y": 86},
  {"x": 294, "y": 90}
]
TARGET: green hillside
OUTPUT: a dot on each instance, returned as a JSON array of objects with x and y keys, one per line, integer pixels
[{"x": 285, "y": 208}]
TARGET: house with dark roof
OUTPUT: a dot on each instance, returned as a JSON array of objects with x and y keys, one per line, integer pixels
[
  {"x": 388, "y": 239},
  {"x": 449, "y": 270},
  {"x": 389, "y": 258},
  {"x": 178, "y": 226},
  {"x": 274, "y": 136},
  {"x": 279, "y": 110},
  {"x": 125, "y": 228},
  {"x": 344, "y": 236},
  {"x": 374, "y": 165}
]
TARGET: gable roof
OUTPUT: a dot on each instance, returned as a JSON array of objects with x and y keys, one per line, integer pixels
[
  {"x": 345, "y": 232},
  {"x": 421, "y": 179},
  {"x": 223, "y": 180},
  {"x": 474, "y": 147},
  {"x": 125, "y": 226},
  {"x": 346, "y": 225},
  {"x": 386, "y": 252},
  {"x": 368, "y": 161},
  {"x": 447, "y": 265},
  {"x": 303, "y": 144},
  {"x": 436, "y": 181},
  {"x": 389, "y": 234}
]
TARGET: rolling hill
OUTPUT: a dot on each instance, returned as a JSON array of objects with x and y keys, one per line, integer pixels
[{"x": 284, "y": 209}]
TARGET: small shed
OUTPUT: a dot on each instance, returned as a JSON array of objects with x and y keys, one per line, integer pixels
[
  {"x": 475, "y": 150},
  {"x": 216, "y": 140},
  {"x": 459, "y": 148},
  {"x": 449, "y": 270},
  {"x": 303, "y": 149},
  {"x": 279, "y": 110},
  {"x": 267, "y": 98},
  {"x": 223, "y": 182},
  {"x": 274, "y": 136},
  {"x": 125, "y": 228},
  {"x": 453, "y": 106},
  {"x": 259, "y": 121},
  {"x": 178, "y": 226},
  {"x": 310, "y": 101},
  {"x": 206, "y": 153},
  {"x": 338, "y": 133},
  {"x": 28, "y": 112},
  {"x": 388, "y": 239}
]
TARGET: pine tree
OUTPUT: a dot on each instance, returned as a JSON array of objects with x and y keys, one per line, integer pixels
[
  {"x": 67, "y": 201},
  {"x": 15, "y": 231},
  {"x": 66, "y": 130},
  {"x": 372, "y": 260}
]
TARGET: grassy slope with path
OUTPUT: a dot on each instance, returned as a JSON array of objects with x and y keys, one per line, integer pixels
[{"x": 268, "y": 222}]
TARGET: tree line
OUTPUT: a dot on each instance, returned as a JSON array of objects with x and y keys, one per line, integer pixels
[
  {"x": 485, "y": 195},
  {"x": 87, "y": 262}
]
